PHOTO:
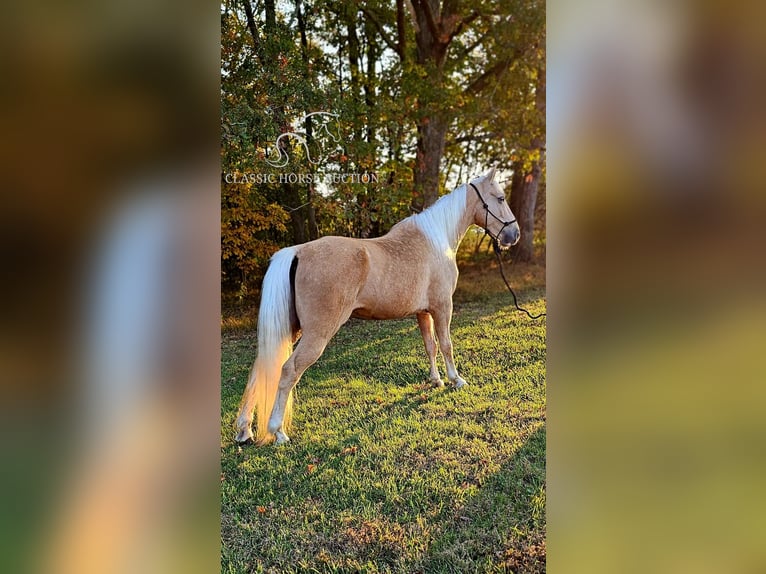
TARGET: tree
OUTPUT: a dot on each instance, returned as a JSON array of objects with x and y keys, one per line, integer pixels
[
  {"x": 425, "y": 92},
  {"x": 526, "y": 182},
  {"x": 461, "y": 53}
]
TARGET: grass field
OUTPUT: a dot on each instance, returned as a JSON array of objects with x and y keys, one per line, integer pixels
[{"x": 385, "y": 473}]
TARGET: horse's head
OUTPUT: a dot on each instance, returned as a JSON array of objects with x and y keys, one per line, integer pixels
[{"x": 491, "y": 211}]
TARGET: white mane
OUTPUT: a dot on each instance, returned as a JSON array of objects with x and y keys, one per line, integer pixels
[{"x": 440, "y": 223}]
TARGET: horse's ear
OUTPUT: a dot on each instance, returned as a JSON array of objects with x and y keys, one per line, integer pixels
[{"x": 490, "y": 175}]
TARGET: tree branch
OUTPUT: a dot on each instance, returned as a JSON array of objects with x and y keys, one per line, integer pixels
[
  {"x": 483, "y": 80},
  {"x": 477, "y": 138},
  {"x": 495, "y": 71},
  {"x": 371, "y": 17},
  {"x": 400, "y": 29},
  {"x": 468, "y": 49},
  {"x": 253, "y": 29},
  {"x": 463, "y": 23}
]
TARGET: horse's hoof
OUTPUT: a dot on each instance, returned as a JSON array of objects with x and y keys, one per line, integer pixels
[
  {"x": 460, "y": 383},
  {"x": 282, "y": 438},
  {"x": 437, "y": 383},
  {"x": 244, "y": 437}
]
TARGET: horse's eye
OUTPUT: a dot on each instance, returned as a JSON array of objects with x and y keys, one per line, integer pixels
[{"x": 500, "y": 199}]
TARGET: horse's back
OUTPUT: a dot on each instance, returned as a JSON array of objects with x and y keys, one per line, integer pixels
[
  {"x": 379, "y": 278},
  {"x": 334, "y": 254}
]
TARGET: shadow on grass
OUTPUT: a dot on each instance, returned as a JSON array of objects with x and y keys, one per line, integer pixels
[
  {"x": 502, "y": 527},
  {"x": 376, "y": 349}
]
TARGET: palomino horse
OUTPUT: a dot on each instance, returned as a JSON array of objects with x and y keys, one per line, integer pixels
[{"x": 310, "y": 290}]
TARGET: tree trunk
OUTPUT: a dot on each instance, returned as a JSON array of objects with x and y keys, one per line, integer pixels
[
  {"x": 312, "y": 220},
  {"x": 313, "y": 228},
  {"x": 354, "y": 57},
  {"x": 370, "y": 81},
  {"x": 523, "y": 202},
  {"x": 293, "y": 196},
  {"x": 432, "y": 36},
  {"x": 271, "y": 14},
  {"x": 524, "y": 187},
  {"x": 290, "y": 191},
  {"x": 430, "y": 149}
]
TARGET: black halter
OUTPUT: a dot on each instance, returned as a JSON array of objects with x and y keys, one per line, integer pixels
[{"x": 487, "y": 213}]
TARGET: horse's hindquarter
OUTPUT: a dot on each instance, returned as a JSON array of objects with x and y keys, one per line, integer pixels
[{"x": 330, "y": 274}]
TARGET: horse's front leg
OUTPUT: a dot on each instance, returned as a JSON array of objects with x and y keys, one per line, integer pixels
[
  {"x": 442, "y": 316},
  {"x": 426, "y": 324}
]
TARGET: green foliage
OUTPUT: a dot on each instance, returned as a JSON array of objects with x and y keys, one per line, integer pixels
[
  {"x": 488, "y": 89},
  {"x": 246, "y": 222}
]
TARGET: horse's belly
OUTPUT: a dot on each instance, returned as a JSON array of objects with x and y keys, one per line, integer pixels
[
  {"x": 393, "y": 304},
  {"x": 380, "y": 313}
]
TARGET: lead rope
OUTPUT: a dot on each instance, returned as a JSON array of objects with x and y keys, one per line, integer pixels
[{"x": 496, "y": 249}]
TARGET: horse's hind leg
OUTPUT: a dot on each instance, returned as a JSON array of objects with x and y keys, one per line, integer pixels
[
  {"x": 306, "y": 353},
  {"x": 426, "y": 324}
]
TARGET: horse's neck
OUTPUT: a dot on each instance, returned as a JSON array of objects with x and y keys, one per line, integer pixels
[
  {"x": 408, "y": 231},
  {"x": 458, "y": 227}
]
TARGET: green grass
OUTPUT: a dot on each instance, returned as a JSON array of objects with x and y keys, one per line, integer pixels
[{"x": 385, "y": 473}]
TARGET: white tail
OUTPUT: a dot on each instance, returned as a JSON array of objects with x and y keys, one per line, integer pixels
[{"x": 275, "y": 344}]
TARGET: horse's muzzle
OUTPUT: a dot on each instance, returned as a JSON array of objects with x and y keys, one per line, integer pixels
[{"x": 509, "y": 236}]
